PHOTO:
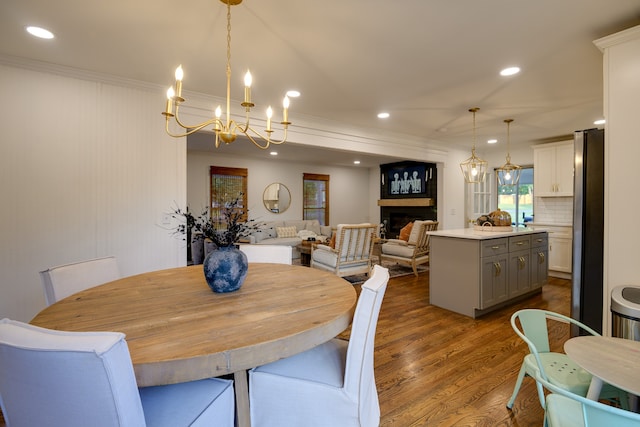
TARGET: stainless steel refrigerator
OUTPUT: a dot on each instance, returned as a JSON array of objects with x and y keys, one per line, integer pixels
[{"x": 588, "y": 229}]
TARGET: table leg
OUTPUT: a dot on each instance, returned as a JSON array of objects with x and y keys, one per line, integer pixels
[
  {"x": 241, "y": 386},
  {"x": 594, "y": 388}
]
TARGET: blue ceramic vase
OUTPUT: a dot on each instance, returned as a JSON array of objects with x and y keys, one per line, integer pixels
[{"x": 225, "y": 269}]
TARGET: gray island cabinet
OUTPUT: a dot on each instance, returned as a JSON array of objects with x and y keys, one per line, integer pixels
[{"x": 472, "y": 272}]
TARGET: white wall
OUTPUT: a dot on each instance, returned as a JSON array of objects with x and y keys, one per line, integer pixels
[
  {"x": 86, "y": 171},
  {"x": 622, "y": 151},
  {"x": 348, "y": 191}
]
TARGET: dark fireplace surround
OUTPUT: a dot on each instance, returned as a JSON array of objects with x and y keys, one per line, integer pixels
[{"x": 397, "y": 210}]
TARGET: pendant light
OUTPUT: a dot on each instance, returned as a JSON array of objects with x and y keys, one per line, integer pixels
[
  {"x": 508, "y": 174},
  {"x": 474, "y": 168}
]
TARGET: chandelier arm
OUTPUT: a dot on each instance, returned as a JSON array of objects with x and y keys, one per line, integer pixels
[
  {"x": 245, "y": 127},
  {"x": 266, "y": 138},
  {"x": 189, "y": 129},
  {"x": 196, "y": 127}
]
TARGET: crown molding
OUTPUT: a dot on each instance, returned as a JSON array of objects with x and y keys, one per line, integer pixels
[{"x": 629, "y": 34}]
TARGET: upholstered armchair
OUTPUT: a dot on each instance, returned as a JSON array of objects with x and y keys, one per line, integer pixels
[
  {"x": 351, "y": 254},
  {"x": 414, "y": 251}
]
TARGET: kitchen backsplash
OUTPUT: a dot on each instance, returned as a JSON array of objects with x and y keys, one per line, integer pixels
[{"x": 553, "y": 210}]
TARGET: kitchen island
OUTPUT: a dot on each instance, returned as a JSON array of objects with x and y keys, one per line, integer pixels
[{"x": 473, "y": 272}]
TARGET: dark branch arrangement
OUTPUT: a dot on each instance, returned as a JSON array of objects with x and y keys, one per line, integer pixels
[{"x": 226, "y": 230}]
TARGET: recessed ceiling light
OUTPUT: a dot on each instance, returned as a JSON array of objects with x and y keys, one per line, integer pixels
[
  {"x": 356, "y": 162},
  {"x": 383, "y": 115},
  {"x": 510, "y": 71},
  {"x": 492, "y": 141},
  {"x": 40, "y": 32},
  {"x": 600, "y": 122},
  {"x": 293, "y": 93},
  {"x": 274, "y": 153}
]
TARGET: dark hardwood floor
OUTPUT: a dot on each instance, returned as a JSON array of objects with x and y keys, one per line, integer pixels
[{"x": 434, "y": 367}]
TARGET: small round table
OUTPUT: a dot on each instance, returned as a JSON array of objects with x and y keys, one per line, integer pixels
[{"x": 611, "y": 360}]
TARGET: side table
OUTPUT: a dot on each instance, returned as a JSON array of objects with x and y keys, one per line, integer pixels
[{"x": 305, "y": 252}]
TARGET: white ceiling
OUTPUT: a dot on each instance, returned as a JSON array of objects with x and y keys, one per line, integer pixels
[{"x": 426, "y": 62}]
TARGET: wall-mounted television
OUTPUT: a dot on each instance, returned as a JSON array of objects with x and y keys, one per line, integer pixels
[{"x": 407, "y": 180}]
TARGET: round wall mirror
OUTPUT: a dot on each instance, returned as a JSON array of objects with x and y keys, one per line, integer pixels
[{"x": 276, "y": 197}]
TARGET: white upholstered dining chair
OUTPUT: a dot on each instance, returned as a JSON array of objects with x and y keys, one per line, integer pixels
[
  {"x": 64, "y": 280},
  {"x": 332, "y": 384},
  {"x": 76, "y": 379},
  {"x": 275, "y": 254},
  {"x": 352, "y": 252}
]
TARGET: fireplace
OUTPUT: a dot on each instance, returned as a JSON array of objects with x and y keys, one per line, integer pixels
[
  {"x": 408, "y": 192},
  {"x": 397, "y": 217}
]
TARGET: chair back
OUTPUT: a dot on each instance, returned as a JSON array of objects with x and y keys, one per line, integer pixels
[
  {"x": 535, "y": 330},
  {"x": 274, "y": 254},
  {"x": 64, "y": 280},
  {"x": 359, "y": 375},
  {"x": 71, "y": 379},
  {"x": 564, "y": 408},
  {"x": 423, "y": 238},
  {"x": 354, "y": 242}
]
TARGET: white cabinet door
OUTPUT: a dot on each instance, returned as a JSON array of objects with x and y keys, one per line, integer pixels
[
  {"x": 553, "y": 170},
  {"x": 560, "y": 250},
  {"x": 564, "y": 170},
  {"x": 543, "y": 171}
]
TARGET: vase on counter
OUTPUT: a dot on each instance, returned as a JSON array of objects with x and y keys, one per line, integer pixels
[{"x": 225, "y": 269}]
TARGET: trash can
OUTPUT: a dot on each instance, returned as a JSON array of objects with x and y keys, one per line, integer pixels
[{"x": 625, "y": 312}]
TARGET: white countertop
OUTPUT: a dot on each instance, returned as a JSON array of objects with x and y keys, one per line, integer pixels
[{"x": 470, "y": 233}]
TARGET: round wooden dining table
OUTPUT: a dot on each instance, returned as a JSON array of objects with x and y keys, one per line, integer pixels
[{"x": 178, "y": 330}]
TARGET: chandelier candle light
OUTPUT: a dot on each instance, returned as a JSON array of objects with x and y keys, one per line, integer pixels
[
  {"x": 225, "y": 130},
  {"x": 508, "y": 174},
  {"x": 474, "y": 168}
]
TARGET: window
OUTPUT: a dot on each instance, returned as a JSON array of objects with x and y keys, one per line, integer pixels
[
  {"x": 478, "y": 199},
  {"x": 227, "y": 184},
  {"x": 518, "y": 199},
  {"x": 315, "y": 197}
]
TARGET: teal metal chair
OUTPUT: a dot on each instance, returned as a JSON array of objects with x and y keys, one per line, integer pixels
[
  {"x": 555, "y": 368},
  {"x": 566, "y": 409}
]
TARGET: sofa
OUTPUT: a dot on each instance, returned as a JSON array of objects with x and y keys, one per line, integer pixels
[{"x": 289, "y": 232}]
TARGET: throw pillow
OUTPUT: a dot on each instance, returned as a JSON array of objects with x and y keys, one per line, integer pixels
[
  {"x": 286, "y": 231},
  {"x": 415, "y": 233},
  {"x": 405, "y": 232}
]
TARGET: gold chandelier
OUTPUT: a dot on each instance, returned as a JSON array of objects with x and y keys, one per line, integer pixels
[
  {"x": 508, "y": 174},
  {"x": 474, "y": 168},
  {"x": 225, "y": 130}
]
